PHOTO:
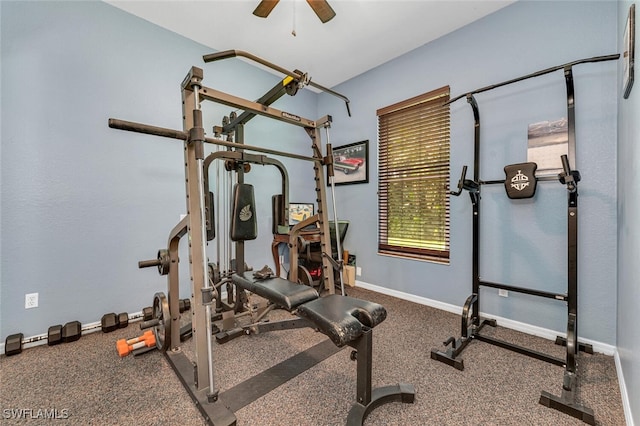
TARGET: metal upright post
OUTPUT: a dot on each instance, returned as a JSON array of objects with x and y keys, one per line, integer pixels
[
  {"x": 321, "y": 199},
  {"x": 572, "y": 228},
  {"x": 239, "y": 245},
  {"x": 193, "y": 151},
  {"x": 174, "y": 286},
  {"x": 475, "y": 202}
]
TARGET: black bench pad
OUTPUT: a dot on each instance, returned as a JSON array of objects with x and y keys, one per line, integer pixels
[
  {"x": 284, "y": 293},
  {"x": 342, "y": 318}
]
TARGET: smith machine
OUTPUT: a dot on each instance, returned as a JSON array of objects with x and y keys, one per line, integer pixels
[
  {"x": 520, "y": 182},
  {"x": 345, "y": 320}
]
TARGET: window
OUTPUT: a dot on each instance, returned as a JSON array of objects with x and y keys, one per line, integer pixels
[{"x": 413, "y": 177}]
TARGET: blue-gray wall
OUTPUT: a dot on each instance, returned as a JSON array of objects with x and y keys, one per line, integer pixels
[
  {"x": 523, "y": 242},
  {"x": 82, "y": 203},
  {"x": 628, "y": 334}
]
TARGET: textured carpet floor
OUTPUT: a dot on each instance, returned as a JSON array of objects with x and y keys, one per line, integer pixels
[{"x": 86, "y": 383}]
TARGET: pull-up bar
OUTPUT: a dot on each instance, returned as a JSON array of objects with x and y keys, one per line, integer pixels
[
  {"x": 298, "y": 75},
  {"x": 132, "y": 126},
  {"x": 472, "y": 323},
  {"x": 537, "y": 74}
]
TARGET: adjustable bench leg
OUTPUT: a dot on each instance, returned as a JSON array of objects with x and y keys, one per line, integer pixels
[
  {"x": 364, "y": 349},
  {"x": 366, "y": 399}
]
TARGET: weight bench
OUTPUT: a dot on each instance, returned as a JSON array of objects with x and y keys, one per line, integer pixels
[{"x": 346, "y": 321}]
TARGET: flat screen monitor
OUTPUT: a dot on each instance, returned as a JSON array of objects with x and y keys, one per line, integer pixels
[{"x": 299, "y": 212}]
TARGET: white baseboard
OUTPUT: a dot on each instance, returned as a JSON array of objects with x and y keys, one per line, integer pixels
[
  {"x": 504, "y": 322},
  {"x": 623, "y": 391},
  {"x": 518, "y": 326},
  {"x": 604, "y": 348}
]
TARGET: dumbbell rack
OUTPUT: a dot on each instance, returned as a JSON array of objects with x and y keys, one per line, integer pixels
[{"x": 471, "y": 323}]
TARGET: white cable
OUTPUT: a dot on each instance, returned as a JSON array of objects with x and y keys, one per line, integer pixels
[
  {"x": 293, "y": 31},
  {"x": 335, "y": 221}
]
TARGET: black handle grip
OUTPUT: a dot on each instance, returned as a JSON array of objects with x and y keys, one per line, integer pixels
[
  {"x": 565, "y": 164},
  {"x": 570, "y": 177},
  {"x": 463, "y": 175},
  {"x": 219, "y": 55}
]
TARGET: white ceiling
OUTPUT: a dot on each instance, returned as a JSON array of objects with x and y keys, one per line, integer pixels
[{"x": 362, "y": 35}]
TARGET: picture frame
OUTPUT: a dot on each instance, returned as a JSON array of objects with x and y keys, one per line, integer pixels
[
  {"x": 350, "y": 164},
  {"x": 299, "y": 212},
  {"x": 629, "y": 51},
  {"x": 547, "y": 141}
]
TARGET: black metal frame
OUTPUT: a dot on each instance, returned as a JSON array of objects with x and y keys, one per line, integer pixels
[
  {"x": 367, "y": 398},
  {"x": 472, "y": 324}
]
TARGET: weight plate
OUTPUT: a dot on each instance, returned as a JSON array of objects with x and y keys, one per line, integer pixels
[
  {"x": 162, "y": 331},
  {"x": 163, "y": 257},
  {"x": 214, "y": 274},
  {"x": 304, "y": 277}
]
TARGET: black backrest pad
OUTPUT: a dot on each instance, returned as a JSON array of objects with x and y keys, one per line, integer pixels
[
  {"x": 211, "y": 216},
  {"x": 342, "y": 318},
  {"x": 277, "y": 212},
  {"x": 281, "y": 292},
  {"x": 243, "y": 219},
  {"x": 520, "y": 180}
]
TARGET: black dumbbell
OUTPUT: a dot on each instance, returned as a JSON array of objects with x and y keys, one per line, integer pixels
[
  {"x": 13, "y": 344},
  {"x": 147, "y": 313},
  {"x": 71, "y": 331},
  {"x": 54, "y": 335},
  {"x": 109, "y": 322},
  {"x": 123, "y": 320}
]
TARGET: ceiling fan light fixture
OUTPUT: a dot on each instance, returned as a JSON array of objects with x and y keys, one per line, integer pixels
[
  {"x": 265, "y": 7},
  {"x": 321, "y": 8}
]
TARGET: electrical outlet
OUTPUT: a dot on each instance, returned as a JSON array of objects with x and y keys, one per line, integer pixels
[
  {"x": 358, "y": 271},
  {"x": 503, "y": 293},
  {"x": 31, "y": 300}
]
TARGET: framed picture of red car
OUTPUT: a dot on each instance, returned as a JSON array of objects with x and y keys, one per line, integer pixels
[{"x": 351, "y": 163}]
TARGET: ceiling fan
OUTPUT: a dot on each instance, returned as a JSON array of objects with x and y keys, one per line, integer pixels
[{"x": 320, "y": 7}]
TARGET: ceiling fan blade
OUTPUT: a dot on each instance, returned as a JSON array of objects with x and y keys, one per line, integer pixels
[
  {"x": 265, "y": 7},
  {"x": 322, "y": 9}
]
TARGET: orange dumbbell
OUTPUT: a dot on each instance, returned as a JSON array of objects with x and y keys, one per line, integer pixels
[
  {"x": 123, "y": 342},
  {"x": 133, "y": 340},
  {"x": 125, "y": 347}
]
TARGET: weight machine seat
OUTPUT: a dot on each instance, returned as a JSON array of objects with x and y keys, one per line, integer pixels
[
  {"x": 344, "y": 319},
  {"x": 279, "y": 291}
]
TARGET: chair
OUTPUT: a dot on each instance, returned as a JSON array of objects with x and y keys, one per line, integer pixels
[{"x": 310, "y": 255}]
